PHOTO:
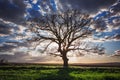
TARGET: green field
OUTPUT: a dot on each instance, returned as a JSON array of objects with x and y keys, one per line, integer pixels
[{"x": 45, "y": 72}]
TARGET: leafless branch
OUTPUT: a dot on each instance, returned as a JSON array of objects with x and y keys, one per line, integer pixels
[{"x": 67, "y": 30}]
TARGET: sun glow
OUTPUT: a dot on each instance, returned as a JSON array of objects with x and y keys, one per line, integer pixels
[{"x": 73, "y": 59}]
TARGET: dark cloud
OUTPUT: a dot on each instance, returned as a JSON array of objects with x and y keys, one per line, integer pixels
[
  {"x": 43, "y": 7},
  {"x": 114, "y": 21},
  {"x": 117, "y": 37},
  {"x": 6, "y": 47},
  {"x": 99, "y": 25},
  {"x": 8, "y": 34},
  {"x": 4, "y": 29},
  {"x": 10, "y": 45},
  {"x": 109, "y": 21},
  {"x": 89, "y": 5},
  {"x": 110, "y": 15},
  {"x": 12, "y": 10},
  {"x": 115, "y": 7}
]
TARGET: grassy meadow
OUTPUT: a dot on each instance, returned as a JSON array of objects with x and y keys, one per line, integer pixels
[{"x": 56, "y": 72}]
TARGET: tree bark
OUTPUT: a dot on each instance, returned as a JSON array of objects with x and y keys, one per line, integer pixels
[{"x": 65, "y": 60}]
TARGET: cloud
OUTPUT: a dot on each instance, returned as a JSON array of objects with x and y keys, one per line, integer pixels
[
  {"x": 113, "y": 35},
  {"x": 108, "y": 17},
  {"x": 11, "y": 35},
  {"x": 99, "y": 25},
  {"x": 88, "y": 5},
  {"x": 8, "y": 45},
  {"x": 15, "y": 10},
  {"x": 115, "y": 8},
  {"x": 5, "y": 47},
  {"x": 12, "y": 10},
  {"x": 117, "y": 53},
  {"x": 37, "y": 8},
  {"x": 117, "y": 37},
  {"x": 6, "y": 27},
  {"x": 21, "y": 57},
  {"x": 107, "y": 22}
]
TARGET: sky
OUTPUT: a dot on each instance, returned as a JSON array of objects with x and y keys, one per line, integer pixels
[{"x": 13, "y": 14}]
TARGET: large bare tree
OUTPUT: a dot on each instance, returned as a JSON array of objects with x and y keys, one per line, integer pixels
[{"x": 67, "y": 30}]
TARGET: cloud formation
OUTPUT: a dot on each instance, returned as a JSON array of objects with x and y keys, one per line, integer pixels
[
  {"x": 88, "y": 5},
  {"x": 21, "y": 57},
  {"x": 15, "y": 10},
  {"x": 107, "y": 22},
  {"x": 12, "y": 10},
  {"x": 37, "y": 8},
  {"x": 11, "y": 35}
]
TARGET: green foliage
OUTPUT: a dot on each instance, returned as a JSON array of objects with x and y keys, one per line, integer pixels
[{"x": 36, "y": 72}]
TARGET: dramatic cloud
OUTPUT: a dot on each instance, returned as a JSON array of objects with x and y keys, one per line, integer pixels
[
  {"x": 116, "y": 37},
  {"x": 106, "y": 13},
  {"x": 87, "y": 5},
  {"x": 106, "y": 19},
  {"x": 115, "y": 7},
  {"x": 4, "y": 29},
  {"x": 7, "y": 27},
  {"x": 107, "y": 22},
  {"x": 12, "y": 10},
  {"x": 37, "y": 8},
  {"x": 6, "y": 47},
  {"x": 11, "y": 35}
]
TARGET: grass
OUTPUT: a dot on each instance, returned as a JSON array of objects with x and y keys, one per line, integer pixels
[{"x": 44, "y": 72}]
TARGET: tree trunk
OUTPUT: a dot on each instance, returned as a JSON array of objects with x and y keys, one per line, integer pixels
[{"x": 65, "y": 60}]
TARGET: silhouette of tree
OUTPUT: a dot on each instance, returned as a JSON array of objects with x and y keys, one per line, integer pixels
[{"x": 67, "y": 30}]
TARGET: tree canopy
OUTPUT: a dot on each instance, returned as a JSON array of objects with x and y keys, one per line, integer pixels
[{"x": 67, "y": 30}]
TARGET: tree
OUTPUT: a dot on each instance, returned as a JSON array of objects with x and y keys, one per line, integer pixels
[{"x": 67, "y": 30}]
